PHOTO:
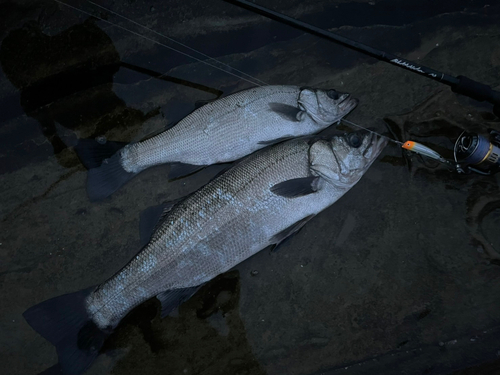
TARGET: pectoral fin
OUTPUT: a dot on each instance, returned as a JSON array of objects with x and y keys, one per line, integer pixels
[
  {"x": 287, "y": 112},
  {"x": 281, "y": 237},
  {"x": 172, "y": 299},
  {"x": 296, "y": 187}
]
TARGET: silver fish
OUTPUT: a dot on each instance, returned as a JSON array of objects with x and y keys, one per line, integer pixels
[
  {"x": 260, "y": 201},
  {"x": 222, "y": 131}
]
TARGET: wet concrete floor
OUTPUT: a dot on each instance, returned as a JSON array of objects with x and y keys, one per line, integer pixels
[{"x": 395, "y": 278}]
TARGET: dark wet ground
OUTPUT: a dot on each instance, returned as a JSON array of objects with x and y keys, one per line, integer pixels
[{"x": 395, "y": 278}]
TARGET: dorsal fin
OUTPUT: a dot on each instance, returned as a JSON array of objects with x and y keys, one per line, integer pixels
[{"x": 151, "y": 218}]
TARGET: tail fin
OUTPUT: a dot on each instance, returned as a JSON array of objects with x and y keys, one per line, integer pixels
[
  {"x": 106, "y": 174},
  {"x": 106, "y": 179},
  {"x": 65, "y": 323},
  {"x": 92, "y": 152}
]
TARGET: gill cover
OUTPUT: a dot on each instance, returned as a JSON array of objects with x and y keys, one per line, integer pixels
[
  {"x": 325, "y": 107},
  {"x": 343, "y": 160}
]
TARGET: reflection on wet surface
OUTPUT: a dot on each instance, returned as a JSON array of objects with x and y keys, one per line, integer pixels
[
  {"x": 64, "y": 80},
  {"x": 439, "y": 121},
  {"x": 400, "y": 275},
  {"x": 207, "y": 337},
  {"x": 482, "y": 217}
]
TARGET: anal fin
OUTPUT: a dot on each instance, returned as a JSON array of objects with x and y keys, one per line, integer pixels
[
  {"x": 281, "y": 237},
  {"x": 178, "y": 170},
  {"x": 274, "y": 141},
  {"x": 172, "y": 299}
]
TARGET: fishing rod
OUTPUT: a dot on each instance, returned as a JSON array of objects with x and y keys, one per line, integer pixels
[
  {"x": 472, "y": 152},
  {"x": 460, "y": 84}
]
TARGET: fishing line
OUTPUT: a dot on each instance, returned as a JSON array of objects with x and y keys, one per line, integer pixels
[
  {"x": 159, "y": 43},
  {"x": 371, "y": 131},
  {"x": 177, "y": 42},
  {"x": 413, "y": 146}
]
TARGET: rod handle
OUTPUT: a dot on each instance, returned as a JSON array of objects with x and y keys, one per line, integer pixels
[{"x": 478, "y": 91}]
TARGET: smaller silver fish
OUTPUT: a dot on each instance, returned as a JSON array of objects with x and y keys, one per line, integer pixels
[{"x": 222, "y": 131}]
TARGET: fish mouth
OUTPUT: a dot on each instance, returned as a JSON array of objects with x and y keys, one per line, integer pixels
[
  {"x": 377, "y": 143},
  {"x": 348, "y": 104},
  {"x": 373, "y": 144}
]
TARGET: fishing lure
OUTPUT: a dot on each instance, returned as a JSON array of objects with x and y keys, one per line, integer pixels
[
  {"x": 408, "y": 145},
  {"x": 423, "y": 150}
]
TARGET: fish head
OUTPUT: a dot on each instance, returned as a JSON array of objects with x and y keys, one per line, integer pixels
[
  {"x": 325, "y": 107},
  {"x": 344, "y": 159}
]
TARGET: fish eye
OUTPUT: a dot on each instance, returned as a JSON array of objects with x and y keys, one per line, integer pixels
[
  {"x": 354, "y": 140},
  {"x": 332, "y": 94}
]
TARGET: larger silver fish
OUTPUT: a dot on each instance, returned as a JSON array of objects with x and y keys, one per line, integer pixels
[
  {"x": 223, "y": 131},
  {"x": 259, "y": 202}
]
